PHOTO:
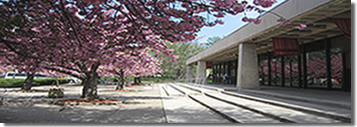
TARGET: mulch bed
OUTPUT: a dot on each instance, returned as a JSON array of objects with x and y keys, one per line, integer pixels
[{"x": 88, "y": 102}]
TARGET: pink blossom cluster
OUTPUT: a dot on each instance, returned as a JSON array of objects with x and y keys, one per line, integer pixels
[
  {"x": 91, "y": 37},
  {"x": 84, "y": 38},
  {"x": 231, "y": 6},
  {"x": 256, "y": 21},
  {"x": 142, "y": 65},
  {"x": 264, "y": 3},
  {"x": 285, "y": 22},
  {"x": 75, "y": 35}
]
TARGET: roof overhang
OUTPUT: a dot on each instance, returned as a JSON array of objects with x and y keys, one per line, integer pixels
[{"x": 314, "y": 13}]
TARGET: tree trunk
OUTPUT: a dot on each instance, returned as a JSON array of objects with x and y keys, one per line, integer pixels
[
  {"x": 178, "y": 75},
  {"x": 28, "y": 82},
  {"x": 136, "y": 80},
  {"x": 121, "y": 82},
  {"x": 90, "y": 83},
  {"x": 57, "y": 82},
  {"x": 128, "y": 81}
]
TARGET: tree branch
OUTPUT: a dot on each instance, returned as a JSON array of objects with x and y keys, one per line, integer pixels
[{"x": 64, "y": 72}]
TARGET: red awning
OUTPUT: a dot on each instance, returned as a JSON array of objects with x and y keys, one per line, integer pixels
[
  {"x": 286, "y": 46},
  {"x": 344, "y": 24},
  {"x": 208, "y": 65}
]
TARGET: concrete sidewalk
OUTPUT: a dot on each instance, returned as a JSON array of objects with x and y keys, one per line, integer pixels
[
  {"x": 182, "y": 109},
  {"x": 142, "y": 106},
  {"x": 333, "y": 96},
  {"x": 331, "y": 103},
  {"x": 148, "y": 104}
]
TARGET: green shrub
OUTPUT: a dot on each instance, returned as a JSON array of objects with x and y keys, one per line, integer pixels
[{"x": 8, "y": 83}]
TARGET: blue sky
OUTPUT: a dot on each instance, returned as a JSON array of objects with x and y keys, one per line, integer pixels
[{"x": 231, "y": 24}]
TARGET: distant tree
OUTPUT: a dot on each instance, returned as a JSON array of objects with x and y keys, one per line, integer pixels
[
  {"x": 184, "y": 51},
  {"x": 212, "y": 40}
]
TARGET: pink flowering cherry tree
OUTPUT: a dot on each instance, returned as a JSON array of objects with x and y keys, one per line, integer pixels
[
  {"x": 22, "y": 61},
  {"x": 143, "y": 64},
  {"x": 77, "y": 37}
]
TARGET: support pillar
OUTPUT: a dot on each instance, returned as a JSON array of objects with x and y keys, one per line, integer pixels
[
  {"x": 214, "y": 69},
  {"x": 189, "y": 74},
  {"x": 269, "y": 69},
  {"x": 229, "y": 64},
  {"x": 299, "y": 71},
  {"x": 220, "y": 72},
  {"x": 248, "y": 73},
  {"x": 328, "y": 64},
  {"x": 282, "y": 71},
  {"x": 263, "y": 76},
  {"x": 304, "y": 59},
  {"x": 291, "y": 72},
  {"x": 201, "y": 72}
]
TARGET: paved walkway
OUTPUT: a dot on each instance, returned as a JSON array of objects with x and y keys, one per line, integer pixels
[
  {"x": 148, "y": 104},
  {"x": 253, "y": 99},
  {"x": 335, "y": 96},
  {"x": 142, "y": 106},
  {"x": 332, "y": 102},
  {"x": 181, "y": 109}
]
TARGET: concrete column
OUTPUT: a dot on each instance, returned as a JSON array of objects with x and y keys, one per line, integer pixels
[
  {"x": 248, "y": 73},
  {"x": 213, "y": 73},
  {"x": 189, "y": 74},
  {"x": 201, "y": 72}
]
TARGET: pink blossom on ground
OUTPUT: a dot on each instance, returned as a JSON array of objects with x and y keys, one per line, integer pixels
[
  {"x": 301, "y": 27},
  {"x": 283, "y": 22}
]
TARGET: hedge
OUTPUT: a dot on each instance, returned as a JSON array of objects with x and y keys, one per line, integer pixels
[{"x": 8, "y": 83}]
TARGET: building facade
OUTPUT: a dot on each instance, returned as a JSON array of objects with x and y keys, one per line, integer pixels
[{"x": 273, "y": 54}]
